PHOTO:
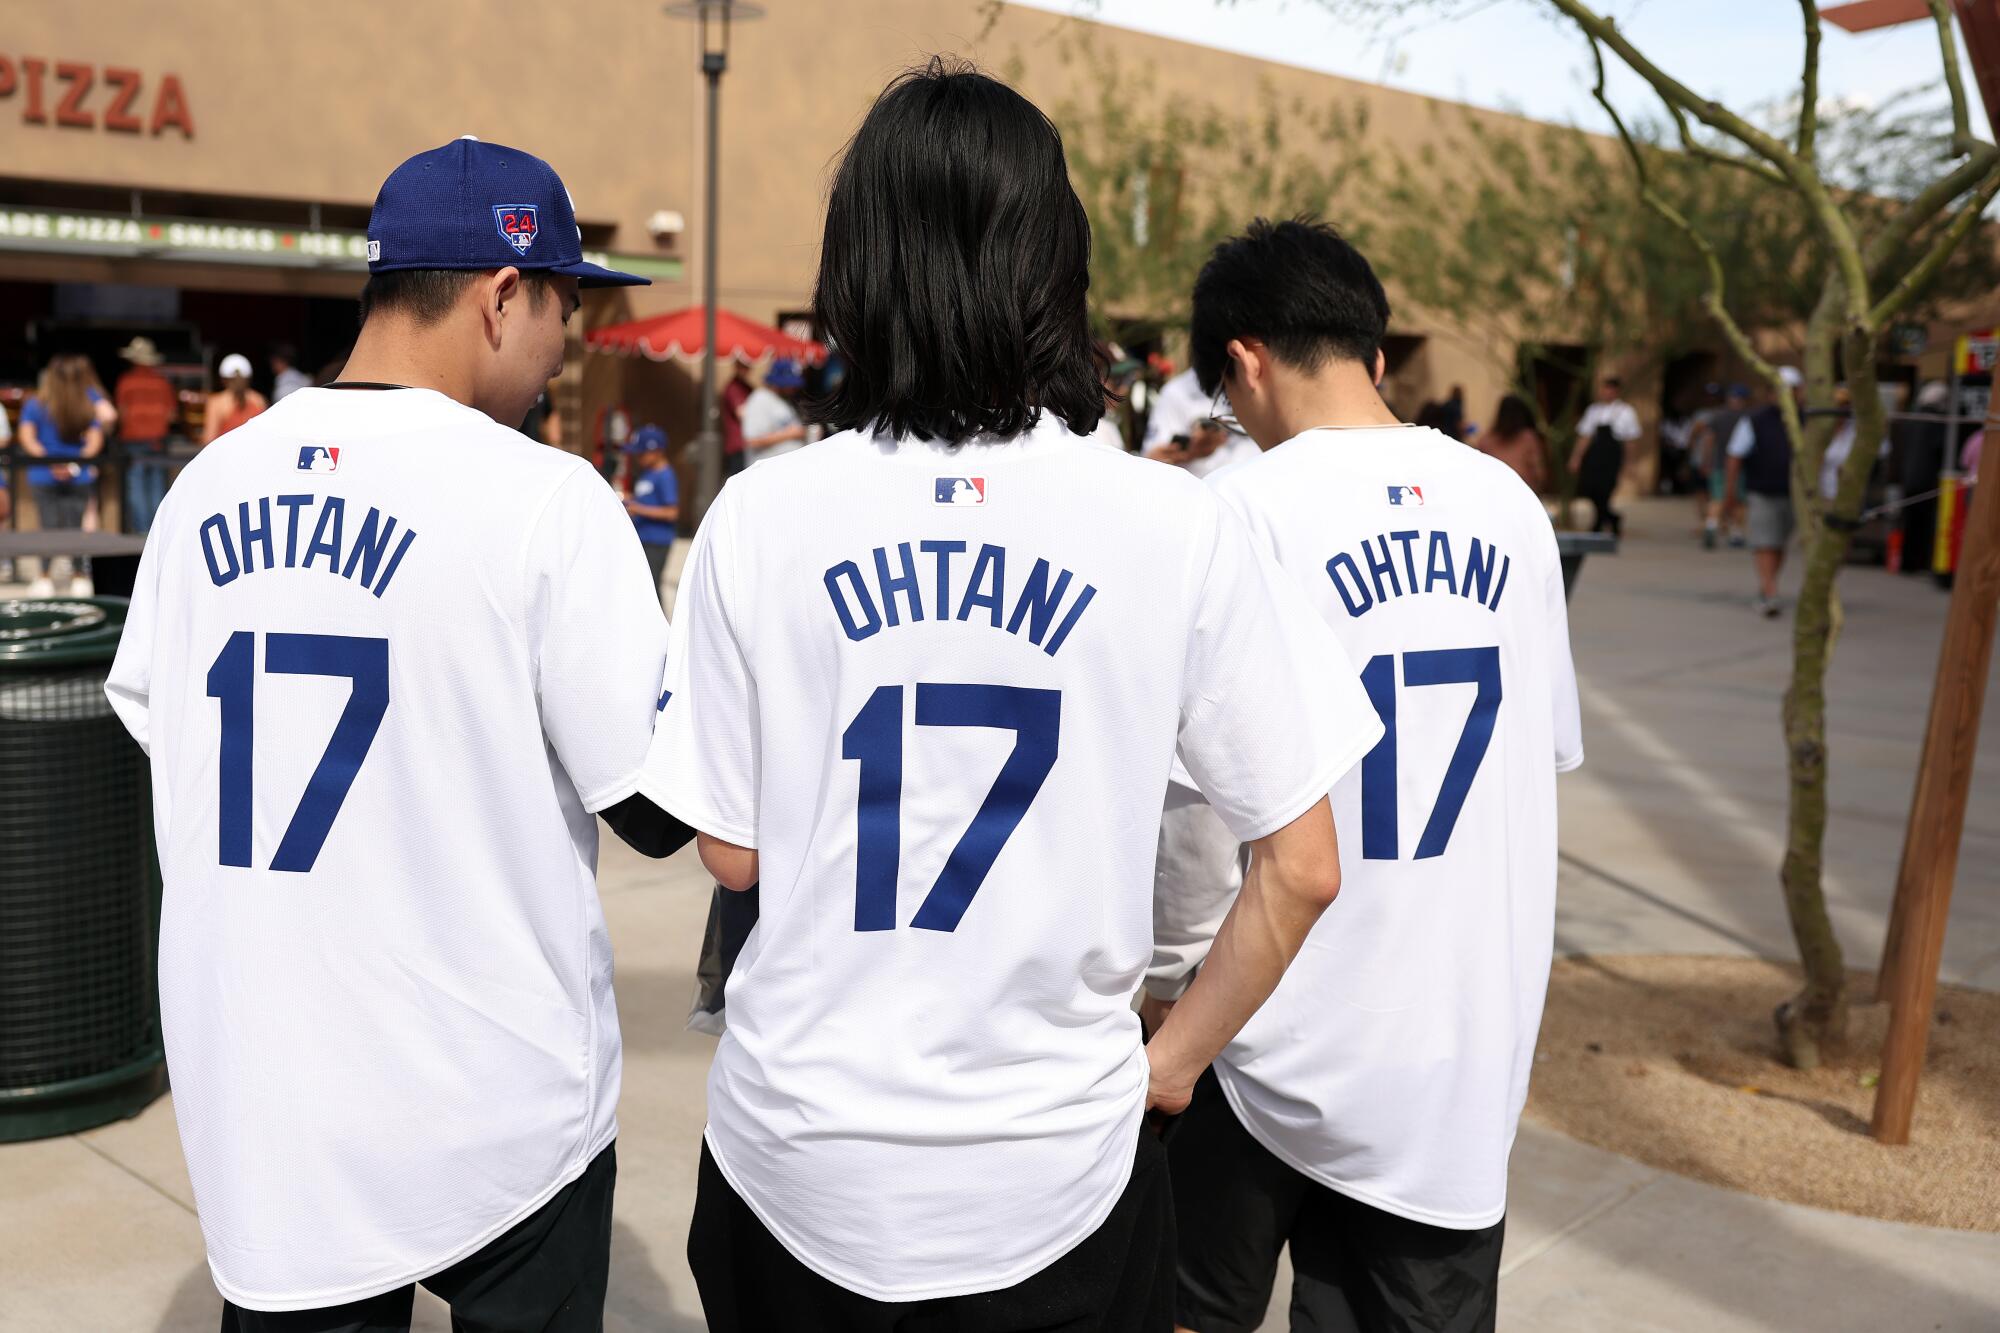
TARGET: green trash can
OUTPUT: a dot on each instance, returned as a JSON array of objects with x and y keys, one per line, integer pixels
[{"x": 79, "y": 887}]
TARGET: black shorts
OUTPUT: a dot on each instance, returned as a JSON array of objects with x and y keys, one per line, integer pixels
[
  {"x": 546, "y": 1274},
  {"x": 1120, "y": 1279},
  {"x": 1357, "y": 1269}
]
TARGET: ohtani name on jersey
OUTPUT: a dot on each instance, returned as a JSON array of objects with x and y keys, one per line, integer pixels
[
  {"x": 891, "y": 587},
  {"x": 257, "y": 535},
  {"x": 1388, "y": 564}
]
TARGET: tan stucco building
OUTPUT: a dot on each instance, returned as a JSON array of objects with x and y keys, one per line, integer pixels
[
  {"x": 210, "y": 167},
  {"x": 203, "y": 172}
]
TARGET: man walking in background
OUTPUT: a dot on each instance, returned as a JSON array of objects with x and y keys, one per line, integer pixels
[
  {"x": 1598, "y": 460},
  {"x": 286, "y": 377},
  {"x": 1760, "y": 461},
  {"x": 655, "y": 502},
  {"x": 1364, "y": 1116},
  {"x": 147, "y": 411},
  {"x": 1722, "y": 511},
  {"x": 771, "y": 423}
]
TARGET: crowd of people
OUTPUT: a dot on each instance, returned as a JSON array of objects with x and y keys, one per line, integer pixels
[{"x": 71, "y": 424}]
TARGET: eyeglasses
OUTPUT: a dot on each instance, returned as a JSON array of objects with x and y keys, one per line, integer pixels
[{"x": 1218, "y": 419}]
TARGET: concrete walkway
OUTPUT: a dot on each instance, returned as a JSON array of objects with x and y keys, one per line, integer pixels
[{"x": 1670, "y": 837}]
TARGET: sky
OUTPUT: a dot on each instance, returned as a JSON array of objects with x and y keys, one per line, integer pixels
[{"x": 1519, "y": 55}]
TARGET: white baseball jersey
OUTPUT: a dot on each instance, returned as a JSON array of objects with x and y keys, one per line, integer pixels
[
  {"x": 387, "y": 657},
  {"x": 1392, "y": 1061},
  {"x": 939, "y": 690}
]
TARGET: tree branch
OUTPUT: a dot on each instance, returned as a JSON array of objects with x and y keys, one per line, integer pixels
[
  {"x": 1712, "y": 298},
  {"x": 1695, "y": 148},
  {"x": 1934, "y": 259},
  {"x": 1713, "y": 114},
  {"x": 1809, "y": 80},
  {"x": 1804, "y": 177},
  {"x": 1961, "y": 119},
  {"x": 1927, "y": 204}
]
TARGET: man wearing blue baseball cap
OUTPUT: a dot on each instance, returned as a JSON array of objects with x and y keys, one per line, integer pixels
[
  {"x": 389, "y": 658},
  {"x": 771, "y": 424},
  {"x": 655, "y": 502}
]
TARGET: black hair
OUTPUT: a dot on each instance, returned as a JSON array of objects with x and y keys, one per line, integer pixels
[
  {"x": 1613, "y": 382},
  {"x": 1436, "y": 416},
  {"x": 286, "y": 353},
  {"x": 1297, "y": 287},
  {"x": 1513, "y": 417},
  {"x": 427, "y": 295},
  {"x": 955, "y": 266}
]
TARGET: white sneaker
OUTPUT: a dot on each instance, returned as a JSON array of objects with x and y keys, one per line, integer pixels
[
  {"x": 1768, "y": 607},
  {"x": 42, "y": 587},
  {"x": 81, "y": 586}
]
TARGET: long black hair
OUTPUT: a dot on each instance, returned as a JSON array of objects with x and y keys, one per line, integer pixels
[
  {"x": 955, "y": 266},
  {"x": 1513, "y": 417}
]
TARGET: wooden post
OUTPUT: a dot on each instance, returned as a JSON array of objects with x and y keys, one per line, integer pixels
[{"x": 1937, "y": 813}]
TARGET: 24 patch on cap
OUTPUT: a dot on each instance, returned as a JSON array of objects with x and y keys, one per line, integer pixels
[
  {"x": 518, "y": 225},
  {"x": 960, "y": 491}
]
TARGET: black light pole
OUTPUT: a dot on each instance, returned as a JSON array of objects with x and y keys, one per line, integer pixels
[{"x": 714, "y": 16}]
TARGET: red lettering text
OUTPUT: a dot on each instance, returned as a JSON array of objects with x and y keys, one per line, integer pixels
[
  {"x": 70, "y": 110},
  {"x": 34, "y": 115},
  {"x": 170, "y": 108},
  {"x": 119, "y": 115}
]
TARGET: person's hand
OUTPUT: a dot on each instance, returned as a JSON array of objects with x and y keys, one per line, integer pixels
[
  {"x": 1169, "y": 453},
  {"x": 1204, "y": 439}
]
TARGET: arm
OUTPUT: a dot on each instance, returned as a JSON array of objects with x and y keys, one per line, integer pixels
[
  {"x": 795, "y": 431},
  {"x": 211, "y": 422},
  {"x": 1294, "y": 875},
  {"x": 93, "y": 442},
  {"x": 664, "y": 513},
  {"x": 31, "y": 440},
  {"x": 734, "y": 868}
]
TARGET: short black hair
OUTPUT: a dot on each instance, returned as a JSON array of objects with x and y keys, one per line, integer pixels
[
  {"x": 427, "y": 295},
  {"x": 1297, "y": 287},
  {"x": 955, "y": 267},
  {"x": 286, "y": 353}
]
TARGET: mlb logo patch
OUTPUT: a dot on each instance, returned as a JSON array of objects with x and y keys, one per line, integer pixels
[
  {"x": 960, "y": 491},
  {"x": 319, "y": 458},
  {"x": 1407, "y": 496},
  {"x": 517, "y": 225}
]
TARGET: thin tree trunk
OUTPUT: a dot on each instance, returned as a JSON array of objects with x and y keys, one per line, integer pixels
[{"x": 1813, "y": 1023}]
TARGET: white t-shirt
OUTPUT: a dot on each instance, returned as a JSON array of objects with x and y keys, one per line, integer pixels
[
  {"x": 387, "y": 657},
  {"x": 1176, "y": 407},
  {"x": 1619, "y": 415},
  {"x": 765, "y": 413},
  {"x": 939, "y": 690},
  {"x": 1392, "y": 1062}
]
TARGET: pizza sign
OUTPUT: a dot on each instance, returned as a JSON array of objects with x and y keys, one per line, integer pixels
[{"x": 75, "y": 94}]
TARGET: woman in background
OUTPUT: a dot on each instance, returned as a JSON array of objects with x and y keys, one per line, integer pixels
[
  {"x": 61, "y": 424},
  {"x": 235, "y": 403},
  {"x": 1514, "y": 440}
]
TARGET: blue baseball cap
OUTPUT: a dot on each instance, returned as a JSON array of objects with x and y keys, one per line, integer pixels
[
  {"x": 783, "y": 374},
  {"x": 476, "y": 205},
  {"x": 646, "y": 439}
]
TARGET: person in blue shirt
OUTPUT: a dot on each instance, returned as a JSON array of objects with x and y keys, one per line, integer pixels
[
  {"x": 655, "y": 501},
  {"x": 63, "y": 422}
]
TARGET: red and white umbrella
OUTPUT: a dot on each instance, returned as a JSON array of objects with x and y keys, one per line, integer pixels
[{"x": 680, "y": 336}]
